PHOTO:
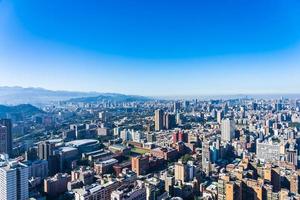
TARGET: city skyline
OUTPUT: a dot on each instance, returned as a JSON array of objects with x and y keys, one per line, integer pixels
[{"x": 157, "y": 49}]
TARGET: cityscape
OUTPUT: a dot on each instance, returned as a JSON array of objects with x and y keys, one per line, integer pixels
[{"x": 149, "y": 100}]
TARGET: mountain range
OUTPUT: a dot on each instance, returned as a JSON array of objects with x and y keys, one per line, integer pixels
[{"x": 41, "y": 96}]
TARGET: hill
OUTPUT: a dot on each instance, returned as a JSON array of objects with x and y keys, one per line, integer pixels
[{"x": 24, "y": 109}]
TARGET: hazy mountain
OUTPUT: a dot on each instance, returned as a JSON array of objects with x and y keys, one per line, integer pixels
[
  {"x": 110, "y": 97},
  {"x": 40, "y": 96},
  {"x": 25, "y": 109},
  {"x": 36, "y": 96}
]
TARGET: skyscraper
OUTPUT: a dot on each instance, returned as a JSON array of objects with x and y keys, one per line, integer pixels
[
  {"x": 9, "y": 146},
  {"x": 219, "y": 116},
  {"x": 14, "y": 181},
  {"x": 176, "y": 106},
  {"x": 227, "y": 130},
  {"x": 180, "y": 171},
  {"x": 169, "y": 121},
  {"x": 3, "y": 139},
  {"x": 158, "y": 117},
  {"x": 45, "y": 149}
]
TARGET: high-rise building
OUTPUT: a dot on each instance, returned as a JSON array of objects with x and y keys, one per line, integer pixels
[
  {"x": 227, "y": 129},
  {"x": 176, "y": 106},
  {"x": 180, "y": 171},
  {"x": 140, "y": 164},
  {"x": 45, "y": 150},
  {"x": 13, "y": 180},
  {"x": 206, "y": 157},
  {"x": 219, "y": 116},
  {"x": 169, "y": 121},
  {"x": 159, "y": 114},
  {"x": 9, "y": 145},
  {"x": 3, "y": 139}
]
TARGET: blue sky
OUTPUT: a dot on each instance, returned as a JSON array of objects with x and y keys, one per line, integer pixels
[{"x": 156, "y": 47}]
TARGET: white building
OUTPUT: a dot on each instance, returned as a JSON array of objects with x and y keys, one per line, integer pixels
[
  {"x": 137, "y": 136},
  {"x": 126, "y": 135},
  {"x": 129, "y": 192},
  {"x": 227, "y": 129},
  {"x": 13, "y": 180},
  {"x": 96, "y": 191}
]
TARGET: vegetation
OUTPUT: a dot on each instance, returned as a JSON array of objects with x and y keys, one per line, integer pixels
[
  {"x": 25, "y": 109},
  {"x": 139, "y": 150},
  {"x": 186, "y": 158}
]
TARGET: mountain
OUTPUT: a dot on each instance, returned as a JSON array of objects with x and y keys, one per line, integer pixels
[
  {"x": 25, "y": 109},
  {"x": 37, "y": 96},
  {"x": 40, "y": 96},
  {"x": 110, "y": 97}
]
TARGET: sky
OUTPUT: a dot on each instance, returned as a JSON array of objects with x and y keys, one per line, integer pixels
[{"x": 157, "y": 47}]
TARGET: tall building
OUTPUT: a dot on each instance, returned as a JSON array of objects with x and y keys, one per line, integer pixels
[
  {"x": 227, "y": 129},
  {"x": 158, "y": 117},
  {"x": 3, "y": 139},
  {"x": 219, "y": 116},
  {"x": 13, "y": 181},
  {"x": 180, "y": 171},
  {"x": 7, "y": 123},
  {"x": 176, "y": 106},
  {"x": 140, "y": 164},
  {"x": 169, "y": 121},
  {"x": 45, "y": 150}
]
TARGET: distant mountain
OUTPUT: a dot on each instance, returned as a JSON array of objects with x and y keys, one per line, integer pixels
[
  {"x": 25, "y": 109},
  {"x": 37, "y": 96},
  {"x": 40, "y": 96},
  {"x": 110, "y": 97}
]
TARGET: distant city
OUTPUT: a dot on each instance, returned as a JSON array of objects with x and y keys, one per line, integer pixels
[{"x": 120, "y": 147}]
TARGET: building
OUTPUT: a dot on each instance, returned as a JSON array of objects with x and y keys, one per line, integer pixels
[
  {"x": 3, "y": 139},
  {"x": 176, "y": 106},
  {"x": 96, "y": 191},
  {"x": 129, "y": 192},
  {"x": 180, "y": 171},
  {"x": 56, "y": 185},
  {"x": 37, "y": 168},
  {"x": 67, "y": 158},
  {"x": 105, "y": 166},
  {"x": 169, "y": 121},
  {"x": 119, "y": 149},
  {"x": 85, "y": 145},
  {"x": 165, "y": 153},
  {"x": 268, "y": 150},
  {"x": 227, "y": 130},
  {"x": 83, "y": 175},
  {"x": 45, "y": 150},
  {"x": 140, "y": 164},
  {"x": 158, "y": 119},
  {"x": 9, "y": 142},
  {"x": 126, "y": 135},
  {"x": 219, "y": 116},
  {"x": 13, "y": 180}
]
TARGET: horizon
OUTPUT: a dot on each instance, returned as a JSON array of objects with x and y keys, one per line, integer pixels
[
  {"x": 152, "y": 49},
  {"x": 174, "y": 96}
]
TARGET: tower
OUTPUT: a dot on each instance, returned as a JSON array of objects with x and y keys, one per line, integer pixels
[
  {"x": 227, "y": 130},
  {"x": 158, "y": 117},
  {"x": 9, "y": 146}
]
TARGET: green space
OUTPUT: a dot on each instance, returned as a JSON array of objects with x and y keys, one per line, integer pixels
[{"x": 139, "y": 150}]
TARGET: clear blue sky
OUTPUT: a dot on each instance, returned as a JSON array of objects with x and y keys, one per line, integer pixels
[{"x": 155, "y": 47}]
